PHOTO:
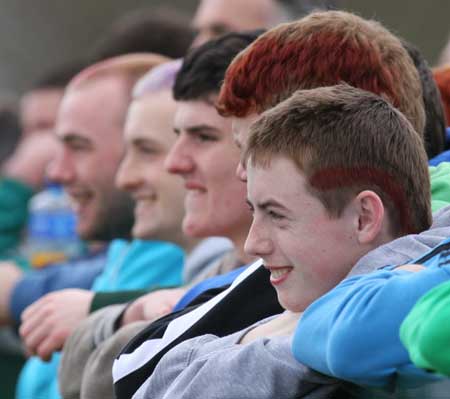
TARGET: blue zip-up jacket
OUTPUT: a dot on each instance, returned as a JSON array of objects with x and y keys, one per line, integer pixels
[{"x": 352, "y": 332}]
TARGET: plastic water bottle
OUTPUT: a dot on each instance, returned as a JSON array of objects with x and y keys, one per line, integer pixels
[{"x": 51, "y": 233}]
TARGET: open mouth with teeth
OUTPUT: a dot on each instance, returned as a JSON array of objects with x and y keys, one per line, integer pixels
[{"x": 279, "y": 274}]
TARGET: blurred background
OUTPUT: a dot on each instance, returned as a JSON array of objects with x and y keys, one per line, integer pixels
[{"x": 36, "y": 35}]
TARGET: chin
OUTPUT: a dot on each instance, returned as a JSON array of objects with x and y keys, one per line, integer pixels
[
  {"x": 292, "y": 305},
  {"x": 143, "y": 232},
  {"x": 85, "y": 232},
  {"x": 196, "y": 230}
]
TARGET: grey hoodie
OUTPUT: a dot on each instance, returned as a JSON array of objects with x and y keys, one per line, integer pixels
[
  {"x": 211, "y": 367},
  {"x": 405, "y": 249}
]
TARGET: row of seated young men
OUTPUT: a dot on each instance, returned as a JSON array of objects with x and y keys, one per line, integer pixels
[
  {"x": 23, "y": 174},
  {"x": 358, "y": 180}
]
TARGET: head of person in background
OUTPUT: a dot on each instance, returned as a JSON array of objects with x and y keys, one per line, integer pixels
[
  {"x": 436, "y": 118},
  {"x": 164, "y": 31},
  {"x": 321, "y": 49},
  {"x": 148, "y": 137},
  {"x": 37, "y": 115},
  {"x": 204, "y": 154},
  {"x": 357, "y": 178},
  {"x": 214, "y": 18},
  {"x": 90, "y": 128},
  {"x": 39, "y": 105},
  {"x": 444, "y": 56},
  {"x": 441, "y": 76},
  {"x": 10, "y": 129}
]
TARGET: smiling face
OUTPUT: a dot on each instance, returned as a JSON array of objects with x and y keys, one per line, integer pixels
[
  {"x": 90, "y": 128},
  {"x": 206, "y": 157},
  {"x": 306, "y": 251},
  {"x": 159, "y": 195}
]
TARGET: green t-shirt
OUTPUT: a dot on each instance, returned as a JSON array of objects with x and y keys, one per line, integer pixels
[
  {"x": 426, "y": 331},
  {"x": 440, "y": 185}
]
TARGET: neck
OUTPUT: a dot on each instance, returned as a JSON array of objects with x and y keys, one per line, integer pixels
[{"x": 187, "y": 243}]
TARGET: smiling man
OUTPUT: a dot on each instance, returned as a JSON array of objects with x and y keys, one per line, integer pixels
[
  {"x": 159, "y": 195},
  {"x": 338, "y": 218},
  {"x": 352, "y": 207},
  {"x": 90, "y": 127},
  {"x": 91, "y": 149},
  {"x": 204, "y": 155}
]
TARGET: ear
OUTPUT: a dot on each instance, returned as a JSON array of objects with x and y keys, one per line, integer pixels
[{"x": 370, "y": 210}]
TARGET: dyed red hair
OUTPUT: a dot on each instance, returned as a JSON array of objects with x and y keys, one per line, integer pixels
[
  {"x": 322, "y": 49},
  {"x": 442, "y": 77}
]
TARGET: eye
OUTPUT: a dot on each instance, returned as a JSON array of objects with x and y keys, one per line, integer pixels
[
  {"x": 203, "y": 137},
  {"x": 147, "y": 150},
  {"x": 77, "y": 146},
  {"x": 275, "y": 215}
]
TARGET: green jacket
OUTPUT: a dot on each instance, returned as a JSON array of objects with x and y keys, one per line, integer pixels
[
  {"x": 14, "y": 198},
  {"x": 426, "y": 331}
]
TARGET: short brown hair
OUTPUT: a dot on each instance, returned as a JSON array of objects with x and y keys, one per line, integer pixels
[
  {"x": 322, "y": 49},
  {"x": 346, "y": 140}
]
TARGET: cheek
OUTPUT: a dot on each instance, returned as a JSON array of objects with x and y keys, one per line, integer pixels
[
  {"x": 226, "y": 185},
  {"x": 171, "y": 202}
]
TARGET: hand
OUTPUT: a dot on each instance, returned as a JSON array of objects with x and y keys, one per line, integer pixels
[
  {"x": 48, "y": 322},
  {"x": 10, "y": 274},
  {"x": 153, "y": 306},
  {"x": 411, "y": 268}
]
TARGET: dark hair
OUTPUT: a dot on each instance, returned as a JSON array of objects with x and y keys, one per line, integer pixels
[
  {"x": 10, "y": 130},
  {"x": 204, "y": 67},
  {"x": 58, "y": 77},
  {"x": 162, "y": 31},
  {"x": 435, "y": 123}
]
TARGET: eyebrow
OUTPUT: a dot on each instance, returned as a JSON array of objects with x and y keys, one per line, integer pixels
[
  {"x": 73, "y": 138},
  {"x": 271, "y": 203},
  {"x": 138, "y": 141},
  {"x": 219, "y": 27},
  {"x": 200, "y": 129}
]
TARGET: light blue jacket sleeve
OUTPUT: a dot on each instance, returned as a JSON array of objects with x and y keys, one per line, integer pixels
[{"x": 352, "y": 332}]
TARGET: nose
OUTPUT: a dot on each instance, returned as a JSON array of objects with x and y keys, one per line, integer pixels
[
  {"x": 127, "y": 176},
  {"x": 61, "y": 169},
  {"x": 241, "y": 172},
  {"x": 179, "y": 160},
  {"x": 258, "y": 242}
]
